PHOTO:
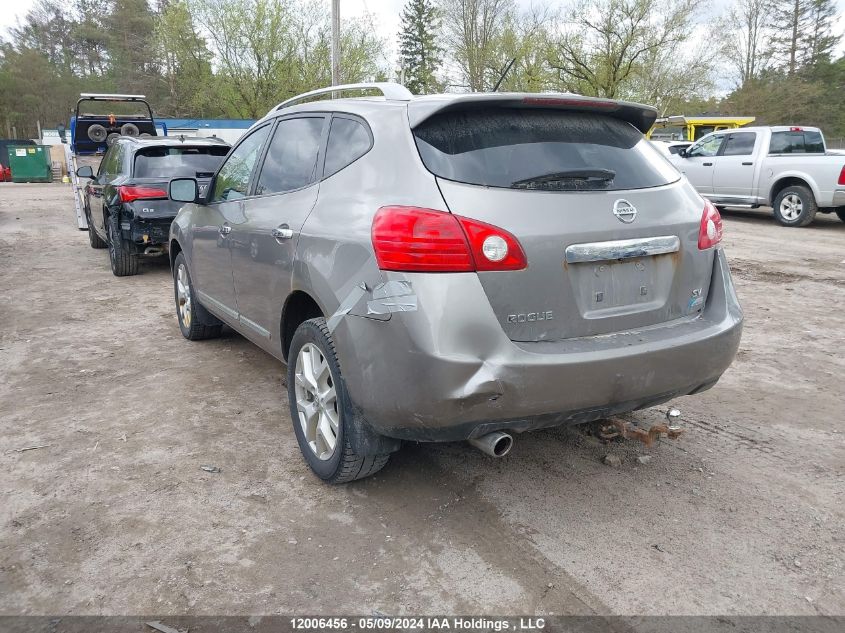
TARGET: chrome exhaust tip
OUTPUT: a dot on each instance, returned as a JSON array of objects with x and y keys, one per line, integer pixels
[
  {"x": 153, "y": 250},
  {"x": 495, "y": 444}
]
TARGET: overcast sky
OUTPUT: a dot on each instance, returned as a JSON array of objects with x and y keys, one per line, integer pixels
[{"x": 384, "y": 14}]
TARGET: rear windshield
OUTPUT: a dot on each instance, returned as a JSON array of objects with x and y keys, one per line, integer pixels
[
  {"x": 540, "y": 149},
  {"x": 122, "y": 109},
  {"x": 178, "y": 162},
  {"x": 797, "y": 142}
]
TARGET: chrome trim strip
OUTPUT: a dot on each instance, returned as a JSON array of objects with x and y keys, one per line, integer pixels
[
  {"x": 213, "y": 303},
  {"x": 255, "y": 327},
  {"x": 622, "y": 249}
]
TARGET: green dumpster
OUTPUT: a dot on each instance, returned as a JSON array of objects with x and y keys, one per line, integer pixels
[{"x": 30, "y": 163}]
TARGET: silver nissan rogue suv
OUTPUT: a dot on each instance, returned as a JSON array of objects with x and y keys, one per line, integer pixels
[{"x": 456, "y": 267}]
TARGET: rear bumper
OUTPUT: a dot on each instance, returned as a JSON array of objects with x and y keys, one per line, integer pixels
[
  {"x": 447, "y": 371},
  {"x": 147, "y": 232}
]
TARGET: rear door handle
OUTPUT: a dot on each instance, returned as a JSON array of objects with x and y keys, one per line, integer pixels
[
  {"x": 282, "y": 232},
  {"x": 749, "y": 163},
  {"x": 707, "y": 164},
  {"x": 225, "y": 229}
]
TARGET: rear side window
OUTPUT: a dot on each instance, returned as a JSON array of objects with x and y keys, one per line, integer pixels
[
  {"x": 540, "y": 149},
  {"x": 740, "y": 144},
  {"x": 796, "y": 142},
  {"x": 178, "y": 162},
  {"x": 291, "y": 161},
  {"x": 110, "y": 166},
  {"x": 348, "y": 141}
]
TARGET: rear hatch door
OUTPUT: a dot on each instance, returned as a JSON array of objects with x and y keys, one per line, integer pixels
[
  {"x": 609, "y": 230},
  {"x": 156, "y": 165}
]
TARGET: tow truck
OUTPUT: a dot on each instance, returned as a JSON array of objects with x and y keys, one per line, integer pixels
[{"x": 98, "y": 120}]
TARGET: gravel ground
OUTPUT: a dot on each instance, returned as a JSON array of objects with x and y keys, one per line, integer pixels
[{"x": 742, "y": 515}]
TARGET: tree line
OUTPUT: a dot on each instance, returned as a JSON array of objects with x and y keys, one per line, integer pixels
[{"x": 774, "y": 59}]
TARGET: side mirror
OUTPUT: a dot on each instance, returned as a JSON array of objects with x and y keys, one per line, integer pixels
[
  {"x": 183, "y": 190},
  {"x": 682, "y": 152},
  {"x": 85, "y": 172}
]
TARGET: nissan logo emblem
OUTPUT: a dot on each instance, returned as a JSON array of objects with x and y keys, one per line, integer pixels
[{"x": 625, "y": 211}]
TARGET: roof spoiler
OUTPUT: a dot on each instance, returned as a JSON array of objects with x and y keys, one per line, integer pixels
[{"x": 640, "y": 116}]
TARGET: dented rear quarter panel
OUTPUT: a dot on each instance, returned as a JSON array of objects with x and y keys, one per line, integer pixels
[{"x": 335, "y": 252}]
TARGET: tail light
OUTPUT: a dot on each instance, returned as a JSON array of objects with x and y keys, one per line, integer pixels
[
  {"x": 492, "y": 248},
  {"x": 841, "y": 180},
  {"x": 424, "y": 240},
  {"x": 128, "y": 193},
  {"x": 710, "y": 231}
]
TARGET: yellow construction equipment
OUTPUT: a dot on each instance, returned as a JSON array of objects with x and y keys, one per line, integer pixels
[{"x": 692, "y": 128}]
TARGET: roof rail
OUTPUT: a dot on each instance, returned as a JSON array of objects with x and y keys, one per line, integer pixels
[{"x": 391, "y": 91}]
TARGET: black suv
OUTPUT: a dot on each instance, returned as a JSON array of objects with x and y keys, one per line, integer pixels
[{"x": 126, "y": 203}]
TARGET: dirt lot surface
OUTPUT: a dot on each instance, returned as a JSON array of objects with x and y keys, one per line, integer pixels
[{"x": 745, "y": 514}]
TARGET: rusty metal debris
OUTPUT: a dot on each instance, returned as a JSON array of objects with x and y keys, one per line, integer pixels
[{"x": 614, "y": 427}]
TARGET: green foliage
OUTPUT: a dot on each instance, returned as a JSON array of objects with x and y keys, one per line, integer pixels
[
  {"x": 238, "y": 58},
  {"x": 819, "y": 40},
  {"x": 185, "y": 64},
  {"x": 420, "y": 55},
  {"x": 192, "y": 58},
  {"x": 32, "y": 88},
  {"x": 524, "y": 38},
  {"x": 616, "y": 48},
  {"x": 802, "y": 32},
  {"x": 472, "y": 31},
  {"x": 267, "y": 51},
  {"x": 773, "y": 98}
]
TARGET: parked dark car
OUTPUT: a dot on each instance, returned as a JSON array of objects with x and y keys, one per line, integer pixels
[{"x": 126, "y": 203}]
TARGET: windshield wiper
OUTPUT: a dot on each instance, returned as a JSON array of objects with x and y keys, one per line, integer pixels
[{"x": 583, "y": 175}]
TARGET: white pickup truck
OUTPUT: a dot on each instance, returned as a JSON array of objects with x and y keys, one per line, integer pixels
[{"x": 787, "y": 168}]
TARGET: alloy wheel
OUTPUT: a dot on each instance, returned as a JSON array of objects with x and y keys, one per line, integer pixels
[
  {"x": 316, "y": 401},
  {"x": 791, "y": 207},
  {"x": 183, "y": 295}
]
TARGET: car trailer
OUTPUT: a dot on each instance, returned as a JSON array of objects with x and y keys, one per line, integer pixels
[{"x": 91, "y": 135}]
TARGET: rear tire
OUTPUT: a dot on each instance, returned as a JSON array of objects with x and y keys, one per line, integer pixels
[
  {"x": 841, "y": 213},
  {"x": 316, "y": 386},
  {"x": 795, "y": 206},
  {"x": 194, "y": 321},
  {"x": 93, "y": 237},
  {"x": 123, "y": 262}
]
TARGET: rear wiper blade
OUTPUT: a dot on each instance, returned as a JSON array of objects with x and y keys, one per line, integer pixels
[{"x": 569, "y": 174}]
